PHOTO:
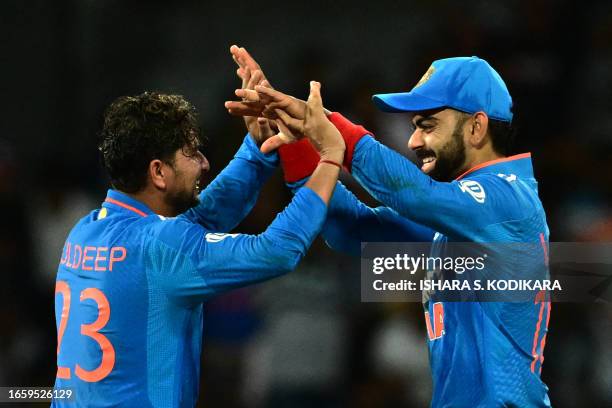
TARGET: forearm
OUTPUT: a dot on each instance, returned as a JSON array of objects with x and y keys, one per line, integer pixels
[
  {"x": 248, "y": 259},
  {"x": 324, "y": 178},
  {"x": 395, "y": 181},
  {"x": 350, "y": 222}
]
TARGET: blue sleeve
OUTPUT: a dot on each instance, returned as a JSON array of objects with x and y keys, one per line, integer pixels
[
  {"x": 350, "y": 222},
  {"x": 233, "y": 193},
  {"x": 459, "y": 209},
  {"x": 192, "y": 264}
]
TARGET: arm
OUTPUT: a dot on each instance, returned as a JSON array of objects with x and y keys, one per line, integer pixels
[
  {"x": 404, "y": 189},
  {"x": 233, "y": 193},
  {"x": 389, "y": 177},
  {"x": 193, "y": 264},
  {"x": 444, "y": 207},
  {"x": 350, "y": 222}
]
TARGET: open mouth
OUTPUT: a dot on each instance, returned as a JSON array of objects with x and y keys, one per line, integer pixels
[
  {"x": 200, "y": 183},
  {"x": 428, "y": 160},
  {"x": 428, "y": 164}
]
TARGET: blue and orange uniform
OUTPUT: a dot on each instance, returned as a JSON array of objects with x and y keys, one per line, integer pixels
[
  {"x": 131, "y": 284},
  {"x": 482, "y": 353}
]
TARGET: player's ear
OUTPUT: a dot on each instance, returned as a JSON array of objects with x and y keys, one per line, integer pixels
[
  {"x": 158, "y": 174},
  {"x": 477, "y": 128}
]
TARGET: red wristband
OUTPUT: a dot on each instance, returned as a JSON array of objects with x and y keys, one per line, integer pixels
[
  {"x": 298, "y": 160},
  {"x": 351, "y": 134}
]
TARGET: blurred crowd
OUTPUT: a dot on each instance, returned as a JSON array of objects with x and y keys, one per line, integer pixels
[{"x": 306, "y": 339}]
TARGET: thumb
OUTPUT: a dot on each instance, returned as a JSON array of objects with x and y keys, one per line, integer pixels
[
  {"x": 274, "y": 142},
  {"x": 314, "y": 99}
]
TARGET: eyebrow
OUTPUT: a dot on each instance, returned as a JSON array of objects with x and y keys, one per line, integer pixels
[{"x": 419, "y": 122}]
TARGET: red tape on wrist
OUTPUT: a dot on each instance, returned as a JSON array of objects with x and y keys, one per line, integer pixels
[
  {"x": 298, "y": 160},
  {"x": 351, "y": 134}
]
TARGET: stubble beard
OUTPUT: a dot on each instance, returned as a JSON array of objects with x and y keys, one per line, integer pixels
[
  {"x": 450, "y": 160},
  {"x": 182, "y": 201}
]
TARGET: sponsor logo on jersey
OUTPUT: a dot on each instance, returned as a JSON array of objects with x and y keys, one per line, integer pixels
[
  {"x": 474, "y": 189},
  {"x": 508, "y": 177}
]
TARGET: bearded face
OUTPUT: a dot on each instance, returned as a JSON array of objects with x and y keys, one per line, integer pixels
[{"x": 438, "y": 143}]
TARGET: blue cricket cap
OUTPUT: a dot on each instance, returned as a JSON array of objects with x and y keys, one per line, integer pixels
[{"x": 467, "y": 84}]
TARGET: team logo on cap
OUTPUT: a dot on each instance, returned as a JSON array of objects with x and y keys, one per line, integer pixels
[{"x": 425, "y": 77}]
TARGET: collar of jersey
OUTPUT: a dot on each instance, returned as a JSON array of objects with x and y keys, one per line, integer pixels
[
  {"x": 519, "y": 164},
  {"x": 122, "y": 202}
]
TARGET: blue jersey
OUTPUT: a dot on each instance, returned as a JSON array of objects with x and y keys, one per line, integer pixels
[
  {"x": 130, "y": 285},
  {"x": 482, "y": 354}
]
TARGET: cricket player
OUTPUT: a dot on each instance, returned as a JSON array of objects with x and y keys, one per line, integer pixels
[
  {"x": 135, "y": 272},
  {"x": 468, "y": 189}
]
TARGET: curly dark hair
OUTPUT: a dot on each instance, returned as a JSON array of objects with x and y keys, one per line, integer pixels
[{"x": 138, "y": 129}]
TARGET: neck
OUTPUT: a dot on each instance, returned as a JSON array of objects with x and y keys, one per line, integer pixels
[{"x": 479, "y": 156}]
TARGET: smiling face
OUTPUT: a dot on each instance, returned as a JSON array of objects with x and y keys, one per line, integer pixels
[
  {"x": 185, "y": 178},
  {"x": 438, "y": 141}
]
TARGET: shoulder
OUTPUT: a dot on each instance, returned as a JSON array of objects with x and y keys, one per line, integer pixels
[
  {"x": 170, "y": 231},
  {"x": 507, "y": 194}
]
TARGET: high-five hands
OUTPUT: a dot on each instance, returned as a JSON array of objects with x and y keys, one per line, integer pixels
[
  {"x": 251, "y": 75},
  {"x": 323, "y": 135},
  {"x": 293, "y": 119},
  {"x": 259, "y": 99}
]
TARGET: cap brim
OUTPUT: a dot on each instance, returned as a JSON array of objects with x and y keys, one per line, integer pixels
[{"x": 405, "y": 102}]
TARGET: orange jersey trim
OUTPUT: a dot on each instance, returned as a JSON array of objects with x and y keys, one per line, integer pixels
[
  {"x": 127, "y": 207},
  {"x": 496, "y": 161}
]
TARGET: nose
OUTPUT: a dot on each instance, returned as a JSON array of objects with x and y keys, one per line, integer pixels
[
  {"x": 416, "y": 140},
  {"x": 203, "y": 162}
]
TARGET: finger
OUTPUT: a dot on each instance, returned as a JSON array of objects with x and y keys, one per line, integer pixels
[
  {"x": 247, "y": 59},
  {"x": 314, "y": 99},
  {"x": 261, "y": 78},
  {"x": 284, "y": 132},
  {"x": 247, "y": 95},
  {"x": 264, "y": 128},
  {"x": 235, "y": 51},
  {"x": 246, "y": 77},
  {"x": 237, "y": 61},
  {"x": 255, "y": 79},
  {"x": 265, "y": 83},
  {"x": 273, "y": 143},
  {"x": 269, "y": 113},
  {"x": 288, "y": 121},
  {"x": 237, "y": 108},
  {"x": 272, "y": 93}
]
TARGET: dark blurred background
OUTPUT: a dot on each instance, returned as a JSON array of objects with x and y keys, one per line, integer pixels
[{"x": 305, "y": 339}]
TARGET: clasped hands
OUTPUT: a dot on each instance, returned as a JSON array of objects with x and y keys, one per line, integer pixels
[{"x": 274, "y": 118}]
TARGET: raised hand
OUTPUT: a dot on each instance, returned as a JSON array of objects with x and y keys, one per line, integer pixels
[
  {"x": 323, "y": 135},
  {"x": 244, "y": 60},
  {"x": 247, "y": 65},
  {"x": 311, "y": 121},
  {"x": 251, "y": 75}
]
